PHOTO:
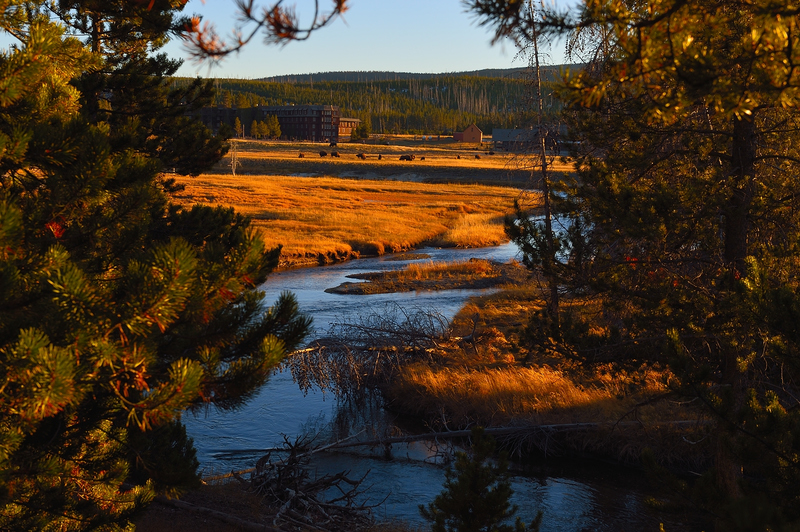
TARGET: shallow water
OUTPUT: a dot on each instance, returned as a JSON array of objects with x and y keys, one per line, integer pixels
[{"x": 573, "y": 495}]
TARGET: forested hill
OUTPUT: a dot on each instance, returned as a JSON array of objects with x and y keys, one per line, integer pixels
[
  {"x": 549, "y": 72},
  {"x": 401, "y": 103}
]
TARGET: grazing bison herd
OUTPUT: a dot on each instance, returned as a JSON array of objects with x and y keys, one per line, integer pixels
[{"x": 363, "y": 156}]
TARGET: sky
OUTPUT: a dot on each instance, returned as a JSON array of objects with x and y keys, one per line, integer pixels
[{"x": 421, "y": 36}]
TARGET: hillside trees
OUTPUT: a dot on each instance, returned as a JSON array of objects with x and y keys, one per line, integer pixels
[
  {"x": 442, "y": 105},
  {"x": 118, "y": 310},
  {"x": 684, "y": 222}
]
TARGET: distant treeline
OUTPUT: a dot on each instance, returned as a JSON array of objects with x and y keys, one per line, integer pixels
[
  {"x": 550, "y": 73},
  {"x": 406, "y": 103}
]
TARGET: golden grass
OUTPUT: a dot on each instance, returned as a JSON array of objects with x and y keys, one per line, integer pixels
[
  {"x": 345, "y": 217},
  {"x": 498, "y": 379},
  {"x": 493, "y": 396},
  {"x": 435, "y": 162},
  {"x": 439, "y": 270},
  {"x": 475, "y": 230}
]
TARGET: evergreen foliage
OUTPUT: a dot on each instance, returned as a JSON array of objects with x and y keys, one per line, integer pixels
[
  {"x": 683, "y": 223},
  {"x": 363, "y": 131},
  {"x": 271, "y": 127},
  {"x": 477, "y": 493},
  {"x": 118, "y": 310}
]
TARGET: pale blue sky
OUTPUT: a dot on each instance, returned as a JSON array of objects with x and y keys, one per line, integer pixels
[{"x": 395, "y": 35}]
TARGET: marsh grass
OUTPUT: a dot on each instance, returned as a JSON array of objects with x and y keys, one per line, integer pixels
[
  {"x": 495, "y": 396},
  {"x": 439, "y": 270},
  {"x": 340, "y": 218},
  {"x": 475, "y": 230},
  {"x": 496, "y": 380}
]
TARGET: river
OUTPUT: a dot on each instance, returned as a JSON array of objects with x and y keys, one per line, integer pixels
[{"x": 574, "y": 495}]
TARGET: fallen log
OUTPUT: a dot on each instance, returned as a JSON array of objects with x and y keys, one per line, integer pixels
[
  {"x": 456, "y": 434},
  {"x": 503, "y": 431}
]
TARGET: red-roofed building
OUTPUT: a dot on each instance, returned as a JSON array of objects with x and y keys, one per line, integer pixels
[{"x": 472, "y": 134}]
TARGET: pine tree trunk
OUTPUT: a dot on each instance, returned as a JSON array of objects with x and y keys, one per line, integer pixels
[
  {"x": 736, "y": 212},
  {"x": 550, "y": 258},
  {"x": 743, "y": 150}
]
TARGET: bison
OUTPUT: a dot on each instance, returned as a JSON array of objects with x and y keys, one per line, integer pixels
[
  {"x": 301, "y": 155},
  {"x": 380, "y": 156},
  {"x": 334, "y": 154},
  {"x": 333, "y": 144},
  {"x": 407, "y": 157},
  {"x": 477, "y": 156},
  {"x": 361, "y": 156},
  {"x": 323, "y": 153}
]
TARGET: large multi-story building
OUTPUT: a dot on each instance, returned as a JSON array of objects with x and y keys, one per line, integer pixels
[
  {"x": 214, "y": 117},
  {"x": 319, "y": 123}
]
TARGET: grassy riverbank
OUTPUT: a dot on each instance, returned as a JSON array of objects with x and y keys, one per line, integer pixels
[
  {"x": 472, "y": 274},
  {"x": 494, "y": 379},
  {"x": 325, "y": 219}
]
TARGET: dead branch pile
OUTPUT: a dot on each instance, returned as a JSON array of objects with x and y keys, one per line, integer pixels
[
  {"x": 328, "y": 503},
  {"x": 364, "y": 354}
]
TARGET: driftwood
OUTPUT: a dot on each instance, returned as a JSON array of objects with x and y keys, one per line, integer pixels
[
  {"x": 519, "y": 431},
  {"x": 275, "y": 449},
  {"x": 286, "y": 484},
  {"x": 328, "y": 503}
]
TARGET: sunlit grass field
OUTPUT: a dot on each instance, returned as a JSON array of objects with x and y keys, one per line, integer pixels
[
  {"x": 435, "y": 161},
  {"x": 318, "y": 217}
]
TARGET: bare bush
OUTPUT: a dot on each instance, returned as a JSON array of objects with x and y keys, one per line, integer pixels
[{"x": 366, "y": 353}]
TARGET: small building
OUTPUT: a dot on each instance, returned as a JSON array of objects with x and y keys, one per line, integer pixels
[
  {"x": 514, "y": 139},
  {"x": 527, "y": 139},
  {"x": 472, "y": 134},
  {"x": 346, "y": 127}
]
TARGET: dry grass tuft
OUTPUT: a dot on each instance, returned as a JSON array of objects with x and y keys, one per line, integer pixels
[
  {"x": 440, "y": 270},
  {"x": 474, "y": 230},
  {"x": 496, "y": 396}
]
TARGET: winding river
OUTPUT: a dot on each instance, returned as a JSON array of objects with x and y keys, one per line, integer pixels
[{"x": 574, "y": 495}]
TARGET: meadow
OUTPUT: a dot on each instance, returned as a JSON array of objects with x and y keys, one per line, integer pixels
[
  {"x": 436, "y": 161},
  {"x": 321, "y": 215}
]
